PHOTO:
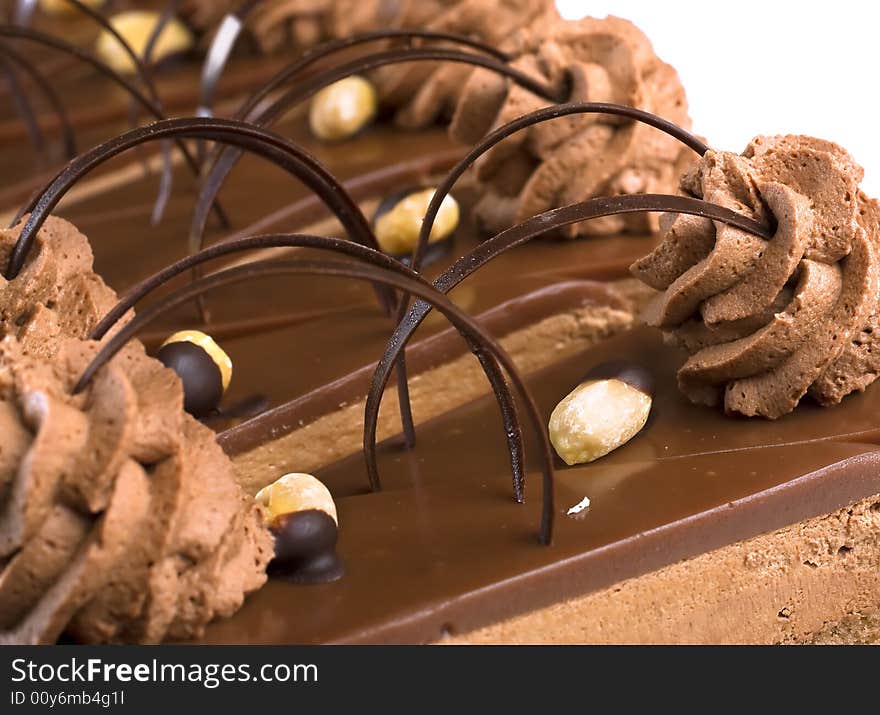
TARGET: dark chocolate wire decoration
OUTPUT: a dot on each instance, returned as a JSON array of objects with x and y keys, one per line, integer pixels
[
  {"x": 22, "y": 104},
  {"x": 489, "y": 141},
  {"x": 376, "y": 268},
  {"x": 166, "y": 179},
  {"x": 326, "y": 49},
  {"x": 253, "y": 139},
  {"x": 146, "y": 102},
  {"x": 24, "y": 11},
  {"x": 529, "y": 120},
  {"x": 144, "y": 73},
  {"x": 68, "y": 136},
  {"x": 140, "y": 291},
  {"x": 516, "y": 236},
  {"x": 218, "y": 54},
  {"x": 305, "y": 89}
]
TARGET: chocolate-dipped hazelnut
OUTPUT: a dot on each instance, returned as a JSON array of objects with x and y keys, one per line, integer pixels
[
  {"x": 295, "y": 492},
  {"x": 604, "y": 412},
  {"x": 342, "y": 109},
  {"x": 136, "y": 27},
  {"x": 398, "y": 220},
  {"x": 202, "y": 366},
  {"x": 301, "y": 513},
  {"x": 305, "y": 548}
]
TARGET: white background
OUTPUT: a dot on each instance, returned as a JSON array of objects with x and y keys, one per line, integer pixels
[{"x": 769, "y": 67}]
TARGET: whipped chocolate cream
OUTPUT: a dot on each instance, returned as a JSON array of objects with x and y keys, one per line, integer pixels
[
  {"x": 578, "y": 157},
  {"x": 423, "y": 93},
  {"x": 120, "y": 518},
  {"x": 274, "y": 24},
  {"x": 768, "y": 322}
]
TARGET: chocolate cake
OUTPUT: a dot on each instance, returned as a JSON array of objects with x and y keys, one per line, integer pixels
[{"x": 690, "y": 329}]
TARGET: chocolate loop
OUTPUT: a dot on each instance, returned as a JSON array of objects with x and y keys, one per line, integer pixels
[
  {"x": 530, "y": 120},
  {"x": 264, "y": 143},
  {"x": 22, "y": 103},
  {"x": 144, "y": 101},
  {"x": 147, "y": 286},
  {"x": 515, "y": 236},
  {"x": 68, "y": 136},
  {"x": 495, "y": 137},
  {"x": 218, "y": 54},
  {"x": 330, "y": 48},
  {"x": 378, "y": 269},
  {"x": 302, "y": 91}
]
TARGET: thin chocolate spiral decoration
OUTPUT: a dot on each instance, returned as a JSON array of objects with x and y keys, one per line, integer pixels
[
  {"x": 68, "y": 136},
  {"x": 334, "y": 46},
  {"x": 22, "y": 104},
  {"x": 145, "y": 75},
  {"x": 515, "y": 236},
  {"x": 259, "y": 141},
  {"x": 218, "y": 55},
  {"x": 304, "y": 90},
  {"x": 492, "y": 139},
  {"x": 378, "y": 268},
  {"x": 493, "y": 371},
  {"x": 144, "y": 101}
]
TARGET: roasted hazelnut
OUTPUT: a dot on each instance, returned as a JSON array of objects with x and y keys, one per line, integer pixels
[
  {"x": 398, "y": 220},
  {"x": 604, "y": 412},
  {"x": 136, "y": 26},
  {"x": 300, "y": 512},
  {"x": 342, "y": 109},
  {"x": 295, "y": 492},
  {"x": 202, "y": 366}
]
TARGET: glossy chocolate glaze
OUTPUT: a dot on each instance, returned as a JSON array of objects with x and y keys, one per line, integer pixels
[
  {"x": 287, "y": 336},
  {"x": 445, "y": 548}
]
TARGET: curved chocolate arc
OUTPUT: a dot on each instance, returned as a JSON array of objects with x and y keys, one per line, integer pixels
[
  {"x": 167, "y": 179},
  {"x": 142, "y": 69},
  {"x": 495, "y": 137},
  {"x": 332, "y": 47},
  {"x": 226, "y": 160},
  {"x": 68, "y": 135},
  {"x": 218, "y": 55},
  {"x": 280, "y": 151},
  {"x": 147, "y": 103},
  {"x": 394, "y": 276},
  {"x": 140, "y": 66},
  {"x": 515, "y": 236},
  {"x": 354, "y": 250},
  {"x": 22, "y": 104},
  {"x": 24, "y": 11},
  {"x": 530, "y": 120}
]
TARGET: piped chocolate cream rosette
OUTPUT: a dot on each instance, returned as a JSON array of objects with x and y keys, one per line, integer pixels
[
  {"x": 424, "y": 93},
  {"x": 120, "y": 518},
  {"x": 768, "y": 322},
  {"x": 580, "y": 157}
]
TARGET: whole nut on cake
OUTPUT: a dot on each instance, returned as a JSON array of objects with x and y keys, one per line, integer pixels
[
  {"x": 293, "y": 493},
  {"x": 136, "y": 26},
  {"x": 203, "y": 367},
  {"x": 344, "y": 108},
  {"x": 604, "y": 412},
  {"x": 398, "y": 220},
  {"x": 301, "y": 514}
]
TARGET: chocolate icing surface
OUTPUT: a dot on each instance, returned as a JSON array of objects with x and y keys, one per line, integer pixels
[
  {"x": 768, "y": 322},
  {"x": 120, "y": 518},
  {"x": 445, "y": 548}
]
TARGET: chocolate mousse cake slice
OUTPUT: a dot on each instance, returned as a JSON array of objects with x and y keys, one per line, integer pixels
[{"x": 703, "y": 528}]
